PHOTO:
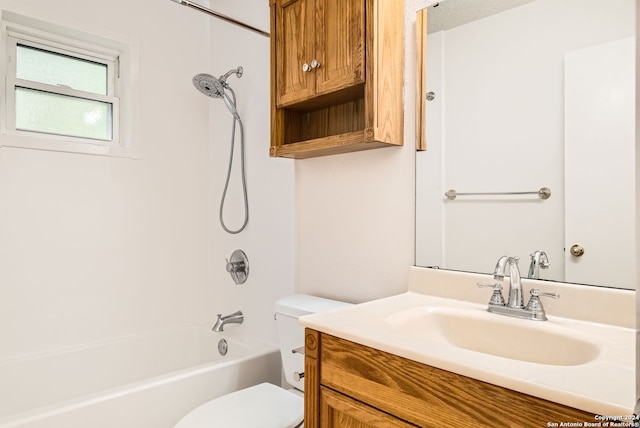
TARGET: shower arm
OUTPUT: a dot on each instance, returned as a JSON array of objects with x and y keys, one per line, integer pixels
[
  {"x": 237, "y": 71},
  {"x": 221, "y": 16}
]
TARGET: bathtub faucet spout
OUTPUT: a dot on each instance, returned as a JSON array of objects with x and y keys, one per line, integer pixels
[{"x": 234, "y": 318}]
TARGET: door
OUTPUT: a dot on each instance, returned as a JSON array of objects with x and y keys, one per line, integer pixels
[
  {"x": 600, "y": 164},
  {"x": 295, "y": 46}
]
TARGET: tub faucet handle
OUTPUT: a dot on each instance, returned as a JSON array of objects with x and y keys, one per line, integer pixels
[
  {"x": 234, "y": 267},
  {"x": 238, "y": 266}
]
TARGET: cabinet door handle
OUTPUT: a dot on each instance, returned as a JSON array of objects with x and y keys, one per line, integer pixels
[
  {"x": 315, "y": 64},
  {"x": 306, "y": 67}
]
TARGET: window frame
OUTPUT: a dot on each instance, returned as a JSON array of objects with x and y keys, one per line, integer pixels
[
  {"x": 121, "y": 60},
  {"x": 13, "y": 82}
]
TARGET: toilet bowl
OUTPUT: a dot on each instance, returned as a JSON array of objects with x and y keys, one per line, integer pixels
[
  {"x": 267, "y": 405},
  {"x": 260, "y": 406}
]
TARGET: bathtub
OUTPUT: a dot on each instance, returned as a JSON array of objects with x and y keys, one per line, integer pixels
[{"x": 143, "y": 381}]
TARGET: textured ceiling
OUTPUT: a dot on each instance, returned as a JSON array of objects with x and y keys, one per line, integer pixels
[{"x": 451, "y": 13}]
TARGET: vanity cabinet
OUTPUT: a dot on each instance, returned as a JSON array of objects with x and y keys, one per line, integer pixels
[
  {"x": 336, "y": 76},
  {"x": 351, "y": 385}
]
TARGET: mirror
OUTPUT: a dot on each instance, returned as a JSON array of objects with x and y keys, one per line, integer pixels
[{"x": 525, "y": 95}]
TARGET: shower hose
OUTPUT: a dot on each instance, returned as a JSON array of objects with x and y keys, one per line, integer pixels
[{"x": 231, "y": 105}]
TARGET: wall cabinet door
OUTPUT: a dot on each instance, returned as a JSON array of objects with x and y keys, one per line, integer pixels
[
  {"x": 320, "y": 47},
  {"x": 295, "y": 46},
  {"x": 340, "y": 45}
]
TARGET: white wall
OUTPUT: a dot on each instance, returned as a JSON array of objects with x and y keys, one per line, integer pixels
[
  {"x": 355, "y": 212},
  {"x": 95, "y": 247}
]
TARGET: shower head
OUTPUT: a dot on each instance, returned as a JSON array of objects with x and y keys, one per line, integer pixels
[
  {"x": 214, "y": 86},
  {"x": 209, "y": 85}
]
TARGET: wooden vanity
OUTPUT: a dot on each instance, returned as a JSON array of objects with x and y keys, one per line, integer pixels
[{"x": 354, "y": 386}]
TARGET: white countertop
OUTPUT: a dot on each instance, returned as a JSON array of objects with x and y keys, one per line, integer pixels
[{"x": 605, "y": 385}]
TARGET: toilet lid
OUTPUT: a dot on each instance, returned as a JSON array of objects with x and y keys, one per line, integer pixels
[{"x": 261, "y": 406}]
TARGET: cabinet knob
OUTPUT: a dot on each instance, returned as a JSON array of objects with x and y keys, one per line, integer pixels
[
  {"x": 315, "y": 64},
  {"x": 306, "y": 67}
]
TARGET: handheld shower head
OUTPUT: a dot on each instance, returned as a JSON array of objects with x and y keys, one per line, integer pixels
[
  {"x": 214, "y": 86},
  {"x": 217, "y": 87},
  {"x": 209, "y": 85}
]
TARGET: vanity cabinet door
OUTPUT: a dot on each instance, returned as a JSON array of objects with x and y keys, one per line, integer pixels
[{"x": 340, "y": 411}]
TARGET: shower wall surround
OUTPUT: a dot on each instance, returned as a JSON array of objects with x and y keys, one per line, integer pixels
[
  {"x": 268, "y": 239},
  {"x": 95, "y": 247}
]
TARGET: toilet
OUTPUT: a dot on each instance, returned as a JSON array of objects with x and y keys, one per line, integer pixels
[{"x": 267, "y": 405}]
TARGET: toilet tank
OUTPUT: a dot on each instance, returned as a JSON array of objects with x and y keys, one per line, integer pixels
[{"x": 291, "y": 334}]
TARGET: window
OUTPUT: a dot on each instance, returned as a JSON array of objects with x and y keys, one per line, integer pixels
[
  {"x": 61, "y": 92},
  {"x": 65, "y": 93}
]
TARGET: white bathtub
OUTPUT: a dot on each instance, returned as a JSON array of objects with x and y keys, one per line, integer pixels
[{"x": 145, "y": 381}]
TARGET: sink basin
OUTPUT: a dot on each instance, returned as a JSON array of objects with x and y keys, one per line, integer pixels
[{"x": 477, "y": 330}]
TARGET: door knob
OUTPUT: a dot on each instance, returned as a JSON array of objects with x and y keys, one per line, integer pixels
[{"x": 577, "y": 250}]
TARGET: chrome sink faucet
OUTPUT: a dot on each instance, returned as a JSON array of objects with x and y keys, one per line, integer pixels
[
  {"x": 234, "y": 318},
  {"x": 514, "y": 306},
  {"x": 515, "y": 299},
  {"x": 539, "y": 260}
]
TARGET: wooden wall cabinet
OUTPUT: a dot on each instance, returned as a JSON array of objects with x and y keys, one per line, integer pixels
[
  {"x": 336, "y": 76},
  {"x": 350, "y": 385}
]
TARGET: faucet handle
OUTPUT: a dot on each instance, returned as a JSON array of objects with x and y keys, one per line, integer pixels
[
  {"x": 536, "y": 292},
  {"x": 238, "y": 266},
  {"x": 534, "y": 302},
  {"x": 496, "y": 298},
  {"x": 494, "y": 286}
]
